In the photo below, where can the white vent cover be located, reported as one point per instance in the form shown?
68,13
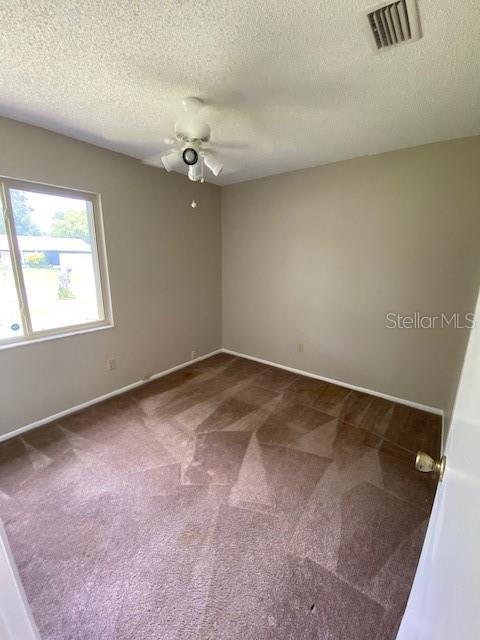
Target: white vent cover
393,23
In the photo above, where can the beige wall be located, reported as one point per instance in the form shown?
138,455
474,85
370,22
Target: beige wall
314,257
164,263
320,256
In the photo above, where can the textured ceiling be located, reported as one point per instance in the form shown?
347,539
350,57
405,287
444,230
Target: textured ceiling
288,84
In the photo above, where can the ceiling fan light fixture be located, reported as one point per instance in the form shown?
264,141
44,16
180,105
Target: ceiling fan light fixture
213,164
190,156
170,159
191,134
195,172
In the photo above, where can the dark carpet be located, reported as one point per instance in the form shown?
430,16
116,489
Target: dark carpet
229,500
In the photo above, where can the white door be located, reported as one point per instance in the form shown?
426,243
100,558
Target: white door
445,599
16,622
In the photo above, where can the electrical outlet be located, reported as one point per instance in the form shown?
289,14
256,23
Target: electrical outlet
300,347
194,354
111,364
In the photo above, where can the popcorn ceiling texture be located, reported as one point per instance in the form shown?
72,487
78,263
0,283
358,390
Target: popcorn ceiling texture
295,83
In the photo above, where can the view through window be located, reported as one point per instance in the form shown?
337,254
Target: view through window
50,277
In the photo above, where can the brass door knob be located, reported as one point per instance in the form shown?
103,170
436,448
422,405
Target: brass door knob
427,464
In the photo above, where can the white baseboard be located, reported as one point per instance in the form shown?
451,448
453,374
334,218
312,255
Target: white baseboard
409,403
111,394
138,383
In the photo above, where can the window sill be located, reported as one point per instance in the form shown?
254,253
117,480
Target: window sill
56,336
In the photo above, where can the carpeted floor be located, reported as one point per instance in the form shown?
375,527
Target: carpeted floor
229,500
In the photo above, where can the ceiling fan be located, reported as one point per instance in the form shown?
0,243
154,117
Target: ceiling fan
190,144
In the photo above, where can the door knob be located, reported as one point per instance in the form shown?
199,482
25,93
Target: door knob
427,464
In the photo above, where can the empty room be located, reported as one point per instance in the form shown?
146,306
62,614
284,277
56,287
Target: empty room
239,320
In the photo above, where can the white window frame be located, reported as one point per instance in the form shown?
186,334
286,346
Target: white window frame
99,258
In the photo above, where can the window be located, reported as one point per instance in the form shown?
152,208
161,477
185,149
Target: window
52,262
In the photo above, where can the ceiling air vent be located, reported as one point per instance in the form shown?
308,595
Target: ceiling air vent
393,23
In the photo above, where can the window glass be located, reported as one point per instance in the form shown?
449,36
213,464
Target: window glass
55,236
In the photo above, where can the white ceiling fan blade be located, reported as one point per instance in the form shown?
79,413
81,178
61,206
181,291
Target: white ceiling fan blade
231,144
262,145
136,137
